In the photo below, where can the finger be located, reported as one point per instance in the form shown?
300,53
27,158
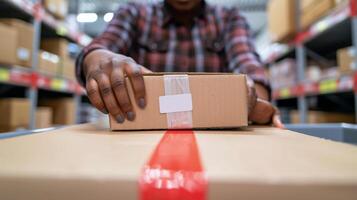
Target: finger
121,94
277,122
137,82
277,119
108,97
262,112
94,95
144,70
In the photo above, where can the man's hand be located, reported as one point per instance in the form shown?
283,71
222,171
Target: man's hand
261,111
105,74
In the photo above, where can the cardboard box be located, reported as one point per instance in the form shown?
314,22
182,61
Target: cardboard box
25,33
58,8
281,20
58,46
316,117
14,114
68,68
85,162
8,41
218,101
64,111
311,11
44,117
48,63
346,60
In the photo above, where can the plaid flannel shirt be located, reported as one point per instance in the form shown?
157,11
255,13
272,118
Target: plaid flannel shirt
218,41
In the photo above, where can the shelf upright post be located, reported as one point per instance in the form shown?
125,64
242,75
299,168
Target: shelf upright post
353,10
32,91
300,63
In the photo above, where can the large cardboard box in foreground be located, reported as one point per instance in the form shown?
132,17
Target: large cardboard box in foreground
24,41
8,41
14,114
87,163
190,101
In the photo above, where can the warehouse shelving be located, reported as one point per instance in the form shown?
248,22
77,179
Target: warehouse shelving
45,25
336,30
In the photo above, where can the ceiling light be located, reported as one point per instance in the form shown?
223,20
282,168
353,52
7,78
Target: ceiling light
108,17
87,17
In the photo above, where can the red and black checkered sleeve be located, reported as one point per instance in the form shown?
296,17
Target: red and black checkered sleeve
117,36
241,54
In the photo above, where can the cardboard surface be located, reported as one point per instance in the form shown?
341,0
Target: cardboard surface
218,100
281,19
58,8
24,39
8,41
44,117
68,68
63,110
14,114
87,162
345,60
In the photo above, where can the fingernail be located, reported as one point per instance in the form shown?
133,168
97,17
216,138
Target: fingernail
105,111
142,103
120,119
130,116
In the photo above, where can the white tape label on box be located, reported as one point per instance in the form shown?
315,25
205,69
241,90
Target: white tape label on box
175,103
177,98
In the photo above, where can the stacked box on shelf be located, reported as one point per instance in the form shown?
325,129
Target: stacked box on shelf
346,60
312,10
281,20
315,117
8,41
63,110
59,46
22,49
58,8
48,63
283,74
15,112
44,117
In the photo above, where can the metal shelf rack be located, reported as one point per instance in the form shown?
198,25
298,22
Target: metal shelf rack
31,78
336,30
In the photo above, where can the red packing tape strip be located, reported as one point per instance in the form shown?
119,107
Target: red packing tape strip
174,171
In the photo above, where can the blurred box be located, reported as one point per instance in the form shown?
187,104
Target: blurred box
15,112
313,10
346,60
43,117
58,46
281,19
68,68
8,41
283,74
315,117
58,8
48,63
25,33
64,110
